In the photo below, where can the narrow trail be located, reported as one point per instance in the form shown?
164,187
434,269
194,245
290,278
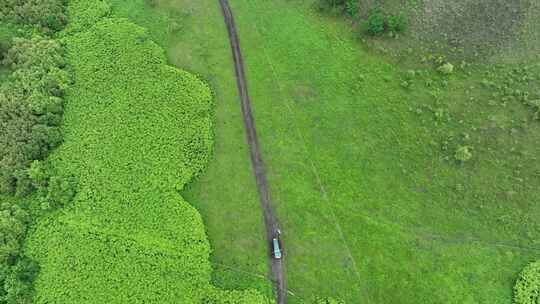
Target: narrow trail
270,219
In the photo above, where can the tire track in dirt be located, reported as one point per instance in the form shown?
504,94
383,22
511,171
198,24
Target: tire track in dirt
270,220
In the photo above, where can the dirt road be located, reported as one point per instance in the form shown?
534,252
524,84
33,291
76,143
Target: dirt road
270,220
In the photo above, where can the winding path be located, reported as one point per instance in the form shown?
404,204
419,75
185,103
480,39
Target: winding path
270,219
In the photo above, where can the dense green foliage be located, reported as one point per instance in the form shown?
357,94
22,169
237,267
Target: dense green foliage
16,271
378,23
375,23
84,14
527,288
31,107
136,131
396,23
48,15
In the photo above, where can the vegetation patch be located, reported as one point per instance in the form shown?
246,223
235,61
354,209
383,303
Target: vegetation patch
47,15
31,107
32,86
527,288
136,131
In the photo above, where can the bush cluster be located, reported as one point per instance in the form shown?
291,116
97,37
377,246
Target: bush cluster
350,7
527,287
4,47
327,301
31,107
463,154
47,15
17,271
14,221
379,23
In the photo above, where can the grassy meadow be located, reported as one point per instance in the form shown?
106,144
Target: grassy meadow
374,205
362,159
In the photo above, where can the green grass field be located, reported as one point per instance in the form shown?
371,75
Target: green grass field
374,206
352,151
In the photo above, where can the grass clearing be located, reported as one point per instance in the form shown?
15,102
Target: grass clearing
373,204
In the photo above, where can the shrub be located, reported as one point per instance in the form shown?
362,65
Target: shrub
335,3
463,153
375,23
328,301
396,23
60,191
18,280
31,107
351,7
378,23
535,105
329,5
17,272
527,287
446,69
4,47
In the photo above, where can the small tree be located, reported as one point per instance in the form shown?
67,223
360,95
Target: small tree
38,173
396,23
351,7
375,23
